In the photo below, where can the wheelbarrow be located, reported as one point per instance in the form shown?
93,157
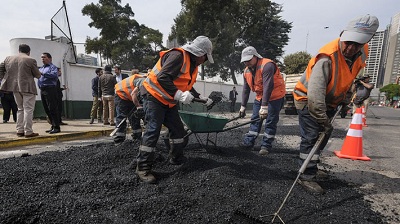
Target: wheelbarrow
208,123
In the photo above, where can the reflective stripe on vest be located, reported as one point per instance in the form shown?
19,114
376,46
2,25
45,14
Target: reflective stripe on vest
125,87
279,84
341,77
183,82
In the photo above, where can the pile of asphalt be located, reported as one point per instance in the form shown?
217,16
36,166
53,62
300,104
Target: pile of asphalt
226,184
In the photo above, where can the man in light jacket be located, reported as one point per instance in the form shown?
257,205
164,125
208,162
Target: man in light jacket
18,73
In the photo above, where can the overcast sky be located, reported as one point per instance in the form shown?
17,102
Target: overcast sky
31,19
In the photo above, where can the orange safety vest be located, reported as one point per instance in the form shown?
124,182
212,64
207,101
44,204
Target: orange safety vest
257,86
341,77
183,82
125,87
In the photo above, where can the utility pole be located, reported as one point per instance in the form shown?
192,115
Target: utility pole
306,40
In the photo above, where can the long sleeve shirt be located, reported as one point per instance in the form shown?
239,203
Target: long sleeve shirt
268,84
49,75
171,64
95,87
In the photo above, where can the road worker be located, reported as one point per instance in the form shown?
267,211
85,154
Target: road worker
169,82
323,86
127,100
263,77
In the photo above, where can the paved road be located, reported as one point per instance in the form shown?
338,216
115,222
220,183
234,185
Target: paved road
378,179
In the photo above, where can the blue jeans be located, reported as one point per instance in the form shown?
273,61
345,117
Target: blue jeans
310,130
271,123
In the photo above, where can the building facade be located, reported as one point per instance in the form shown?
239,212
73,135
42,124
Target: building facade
375,62
392,68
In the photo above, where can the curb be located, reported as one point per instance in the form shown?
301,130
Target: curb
45,139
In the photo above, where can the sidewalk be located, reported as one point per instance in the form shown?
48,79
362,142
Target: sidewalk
76,129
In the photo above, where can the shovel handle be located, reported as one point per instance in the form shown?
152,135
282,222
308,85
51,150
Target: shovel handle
199,100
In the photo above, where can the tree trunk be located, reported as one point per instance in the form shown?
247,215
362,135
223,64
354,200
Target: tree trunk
233,76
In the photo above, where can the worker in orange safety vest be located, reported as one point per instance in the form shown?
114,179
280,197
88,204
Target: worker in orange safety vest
263,77
168,83
324,85
128,105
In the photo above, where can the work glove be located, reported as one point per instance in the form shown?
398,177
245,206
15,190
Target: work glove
327,127
183,97
209,102
242,112
139,113
263,112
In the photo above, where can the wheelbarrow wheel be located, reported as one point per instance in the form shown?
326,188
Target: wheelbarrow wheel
185,141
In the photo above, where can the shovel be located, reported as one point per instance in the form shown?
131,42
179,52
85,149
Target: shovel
304,165
122,121
215,96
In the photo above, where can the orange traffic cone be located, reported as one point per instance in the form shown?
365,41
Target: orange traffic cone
364,117
352,146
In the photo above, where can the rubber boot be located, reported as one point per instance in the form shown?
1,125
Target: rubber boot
176,152
145,161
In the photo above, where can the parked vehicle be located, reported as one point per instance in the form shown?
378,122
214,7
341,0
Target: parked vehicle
290,82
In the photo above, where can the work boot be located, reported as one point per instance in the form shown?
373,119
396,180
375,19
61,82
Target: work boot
118,140
178,160
146,176
311,186
246,146
263,151
91,121
322,175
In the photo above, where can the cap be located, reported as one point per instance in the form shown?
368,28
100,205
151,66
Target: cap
199,47
360,29
248,53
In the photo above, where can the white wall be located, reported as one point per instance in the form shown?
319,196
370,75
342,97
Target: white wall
78,77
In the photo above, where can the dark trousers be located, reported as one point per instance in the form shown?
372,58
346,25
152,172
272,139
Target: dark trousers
9,105
49,95
310,130
158,114
233,102
123,107
60,104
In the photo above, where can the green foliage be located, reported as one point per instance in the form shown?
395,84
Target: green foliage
296,63
391,90
231,26
122,40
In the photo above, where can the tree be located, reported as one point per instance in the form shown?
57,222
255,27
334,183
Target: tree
231,26
296,63
391,90
122,40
